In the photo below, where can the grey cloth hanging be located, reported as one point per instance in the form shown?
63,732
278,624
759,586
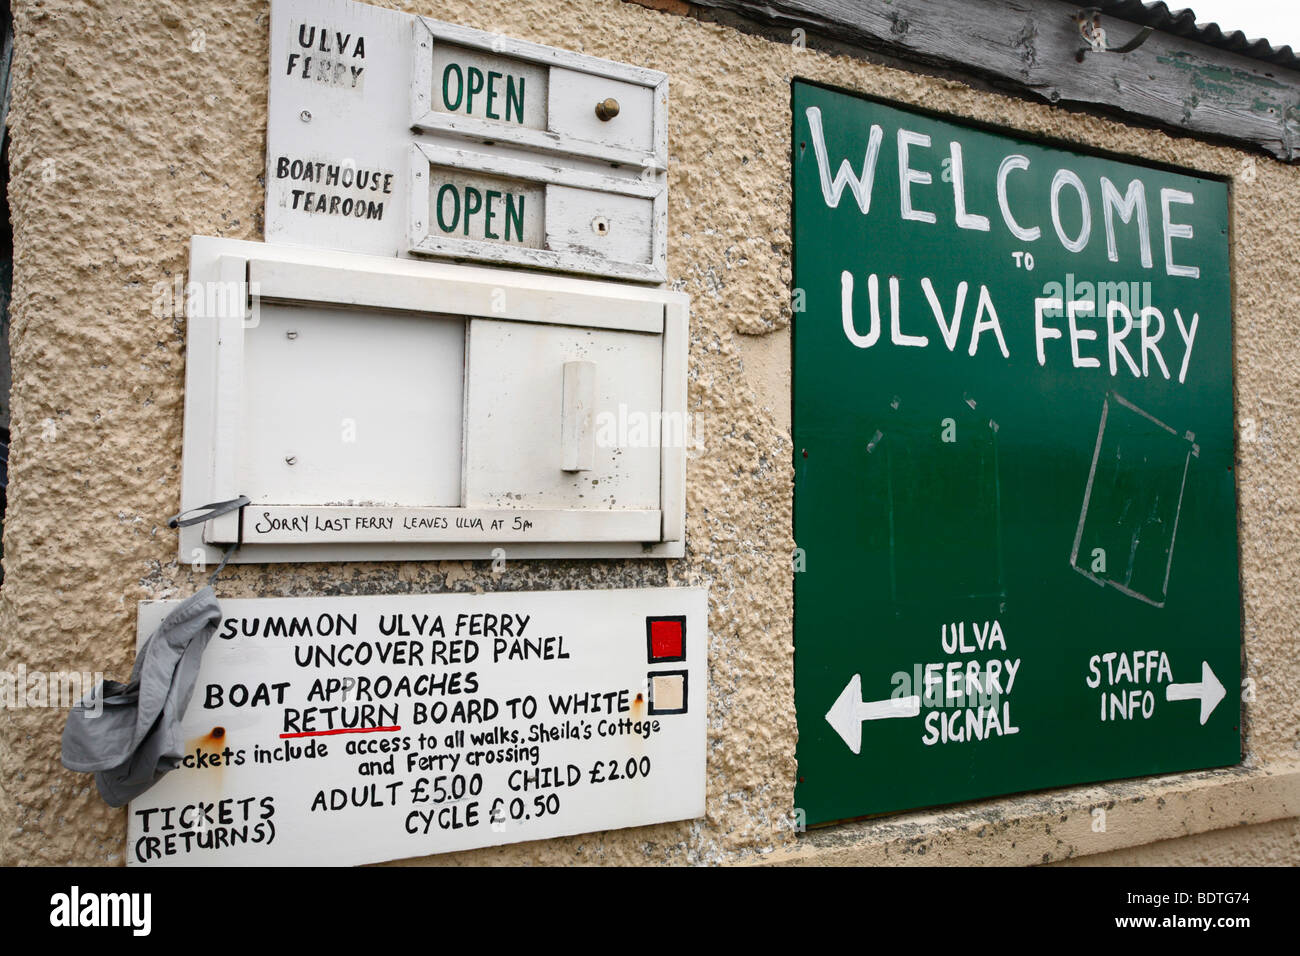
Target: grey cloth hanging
129,735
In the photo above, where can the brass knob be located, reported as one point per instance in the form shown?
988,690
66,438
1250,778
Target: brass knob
606,110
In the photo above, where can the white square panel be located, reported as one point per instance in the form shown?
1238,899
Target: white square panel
352,407
514,415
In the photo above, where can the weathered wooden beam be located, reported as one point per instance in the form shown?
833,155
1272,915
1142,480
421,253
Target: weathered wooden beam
1034,46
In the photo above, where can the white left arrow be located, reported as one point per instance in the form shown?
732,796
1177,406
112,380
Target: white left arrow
1207,690
850,710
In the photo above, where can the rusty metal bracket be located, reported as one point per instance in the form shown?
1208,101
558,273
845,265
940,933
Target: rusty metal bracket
1088,20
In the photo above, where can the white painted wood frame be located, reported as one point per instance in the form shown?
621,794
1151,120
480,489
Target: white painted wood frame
424,239
232,280
426,33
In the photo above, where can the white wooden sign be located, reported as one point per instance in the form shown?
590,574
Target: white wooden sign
400,135
487,87
351,730
529,213
374,408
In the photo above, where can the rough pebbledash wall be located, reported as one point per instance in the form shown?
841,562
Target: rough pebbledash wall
135,126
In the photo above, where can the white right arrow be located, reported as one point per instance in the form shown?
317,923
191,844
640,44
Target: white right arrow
1208,691
849,711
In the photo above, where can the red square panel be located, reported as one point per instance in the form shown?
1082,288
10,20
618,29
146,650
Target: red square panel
667,638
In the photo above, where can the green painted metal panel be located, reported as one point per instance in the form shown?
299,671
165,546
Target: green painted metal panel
1018,529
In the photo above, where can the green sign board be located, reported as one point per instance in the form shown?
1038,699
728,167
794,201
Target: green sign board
1013,440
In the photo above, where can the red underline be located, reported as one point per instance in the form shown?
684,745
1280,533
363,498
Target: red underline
342,730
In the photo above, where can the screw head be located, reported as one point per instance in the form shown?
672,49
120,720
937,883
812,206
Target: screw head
305,116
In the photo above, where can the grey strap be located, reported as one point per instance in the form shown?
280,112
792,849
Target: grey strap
208,512
212,578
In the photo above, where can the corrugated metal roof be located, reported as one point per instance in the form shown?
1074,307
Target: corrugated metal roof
1182,23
